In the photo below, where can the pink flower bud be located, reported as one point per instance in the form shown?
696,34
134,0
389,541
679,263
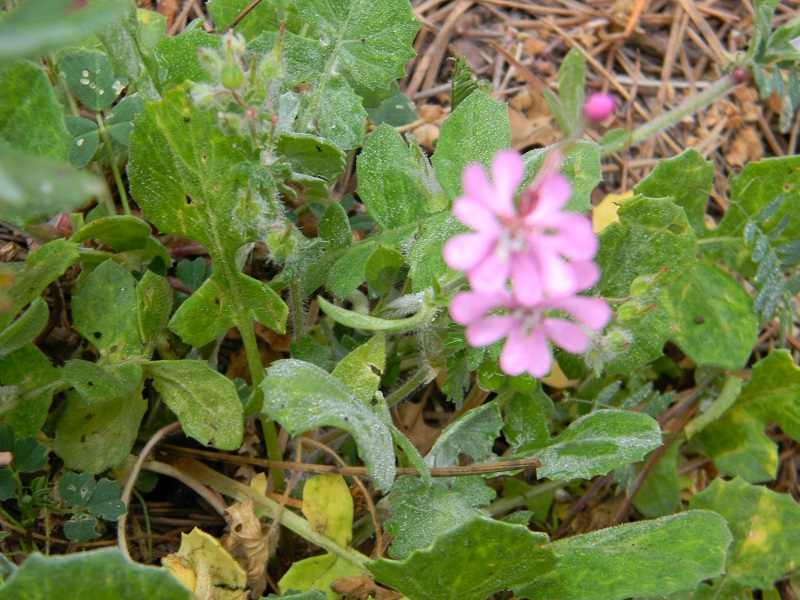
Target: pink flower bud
599,107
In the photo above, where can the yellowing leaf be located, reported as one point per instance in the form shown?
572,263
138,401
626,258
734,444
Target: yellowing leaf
605,213
328,506
205,567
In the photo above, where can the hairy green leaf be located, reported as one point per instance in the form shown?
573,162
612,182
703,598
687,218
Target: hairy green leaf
649,558
204,400
473,561
301,396
764,547
714,320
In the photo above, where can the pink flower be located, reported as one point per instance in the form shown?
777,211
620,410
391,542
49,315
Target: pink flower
532,244
599,107
527,328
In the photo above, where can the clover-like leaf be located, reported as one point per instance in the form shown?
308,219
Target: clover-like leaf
89,75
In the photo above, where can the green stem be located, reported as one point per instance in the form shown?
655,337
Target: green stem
424,375
123,196
266,507
504,505
691,106
256,401
298,316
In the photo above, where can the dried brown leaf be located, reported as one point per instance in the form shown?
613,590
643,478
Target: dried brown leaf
250,543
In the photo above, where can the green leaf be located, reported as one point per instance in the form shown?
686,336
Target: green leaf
648,558
154,304
758,185
660,492
128,58
217,306
571,80
727,396
76,489
421,512
462,84
526,424
301,396
714,320
360,370
426,258
178,59
396,111
265,16
105,502
687,180
36,377
370,43
26,328
81,528
121,233
473,133
8,485
472,562
192,273
42,266
105,313
764,548
737,444
88,74
85,141
31,188
473,435
370,323
119,120
204,400
192,180
93,436
773,393
653,233
31,120
29,455
96,382
581,165
382,267
311,154
339,115
647,333
395,186
318,573
595,444
334,227
101,575
349,270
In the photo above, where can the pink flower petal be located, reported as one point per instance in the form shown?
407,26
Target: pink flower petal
476,214
476,185
566,335
592,312
467,307
526,353
525,280
489,330
507,171
489,276
466,250
586,274
557,276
